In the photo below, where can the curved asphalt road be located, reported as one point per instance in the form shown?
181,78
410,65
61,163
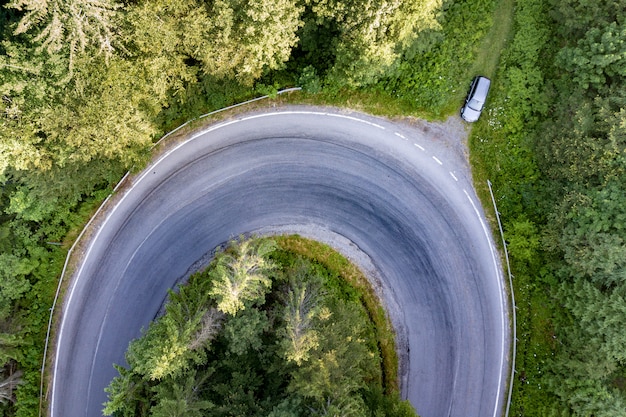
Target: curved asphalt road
337,177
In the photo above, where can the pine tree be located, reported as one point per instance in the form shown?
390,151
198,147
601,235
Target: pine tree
8,385
302,308
241,277
73,25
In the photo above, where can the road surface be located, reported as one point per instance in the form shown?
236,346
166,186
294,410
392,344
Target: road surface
398,203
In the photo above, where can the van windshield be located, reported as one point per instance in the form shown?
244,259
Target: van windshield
475,104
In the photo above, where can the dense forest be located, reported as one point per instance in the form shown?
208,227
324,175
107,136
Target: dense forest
87,86
263,331
554,144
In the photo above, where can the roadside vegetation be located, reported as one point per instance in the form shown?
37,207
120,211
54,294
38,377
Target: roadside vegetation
263,331
553,142
87,87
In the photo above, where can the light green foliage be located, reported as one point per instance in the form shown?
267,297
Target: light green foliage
13,271
157,33
371,34
335,370
68,131
81,127
125,394
229,38
163,352
244,371
69,25
28,79
525,80
166,348
239,278
251,37
524,241
9,347
20,258
302,308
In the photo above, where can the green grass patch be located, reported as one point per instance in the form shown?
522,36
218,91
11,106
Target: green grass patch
434,76
373,101
536,346
488,56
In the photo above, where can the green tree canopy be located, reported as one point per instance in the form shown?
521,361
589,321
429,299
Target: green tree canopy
240,278
599,58
69,26
370,35
595,358
229,38
254,365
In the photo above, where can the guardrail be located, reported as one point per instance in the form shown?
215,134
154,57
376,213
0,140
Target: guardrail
287,90
69,253
513,306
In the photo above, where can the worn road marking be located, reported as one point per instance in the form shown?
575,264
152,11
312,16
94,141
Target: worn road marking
454,176
419,146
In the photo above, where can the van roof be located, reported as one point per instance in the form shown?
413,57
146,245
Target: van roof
482,88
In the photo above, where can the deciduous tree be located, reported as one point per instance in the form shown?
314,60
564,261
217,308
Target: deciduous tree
229,38
599,58
370,34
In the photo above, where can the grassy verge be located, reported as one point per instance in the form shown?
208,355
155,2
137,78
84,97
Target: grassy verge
376,102
501,151
535,330
337,264
495,41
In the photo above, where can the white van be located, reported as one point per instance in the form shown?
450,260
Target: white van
475,99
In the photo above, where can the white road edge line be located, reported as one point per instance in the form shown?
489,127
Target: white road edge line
149,169
341,116
108,309
500,279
